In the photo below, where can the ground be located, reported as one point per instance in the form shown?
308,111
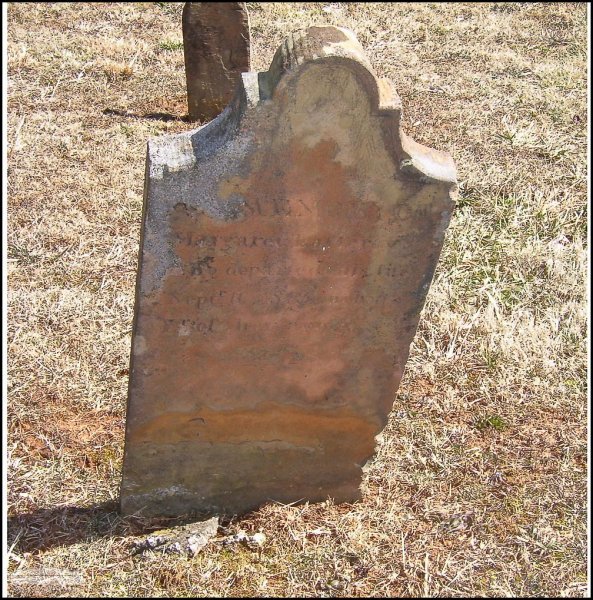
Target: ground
479,482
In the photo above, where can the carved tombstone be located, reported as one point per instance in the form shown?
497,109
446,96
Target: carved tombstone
287,250
216,43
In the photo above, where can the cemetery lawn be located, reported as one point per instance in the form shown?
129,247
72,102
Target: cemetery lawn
479,485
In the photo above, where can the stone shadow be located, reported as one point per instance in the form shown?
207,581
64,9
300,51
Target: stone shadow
154,116
47,528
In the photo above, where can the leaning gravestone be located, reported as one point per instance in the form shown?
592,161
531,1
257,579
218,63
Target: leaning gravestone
287,250
216,43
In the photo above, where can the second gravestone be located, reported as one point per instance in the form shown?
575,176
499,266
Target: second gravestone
216,45
287,250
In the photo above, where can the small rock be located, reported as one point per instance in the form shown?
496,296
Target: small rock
187,539
255,541
258,539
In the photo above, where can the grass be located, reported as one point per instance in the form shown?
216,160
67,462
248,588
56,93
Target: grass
171,45
478,487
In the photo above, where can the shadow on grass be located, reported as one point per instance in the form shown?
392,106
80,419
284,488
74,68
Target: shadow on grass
155,116
66,525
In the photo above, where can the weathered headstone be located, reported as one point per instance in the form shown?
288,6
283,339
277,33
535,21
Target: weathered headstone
287,250
216,44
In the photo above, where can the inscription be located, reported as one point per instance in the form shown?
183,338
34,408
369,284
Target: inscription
277,207
264,312
203,266
227,243
250,299
190,327
186,327
206,270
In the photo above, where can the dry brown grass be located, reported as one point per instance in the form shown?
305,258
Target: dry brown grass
479,484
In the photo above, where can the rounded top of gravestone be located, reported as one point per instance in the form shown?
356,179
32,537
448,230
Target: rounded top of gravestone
323,43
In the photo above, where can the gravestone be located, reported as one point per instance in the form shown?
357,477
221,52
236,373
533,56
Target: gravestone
286,254
216,44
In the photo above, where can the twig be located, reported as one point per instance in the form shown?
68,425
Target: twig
16,136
